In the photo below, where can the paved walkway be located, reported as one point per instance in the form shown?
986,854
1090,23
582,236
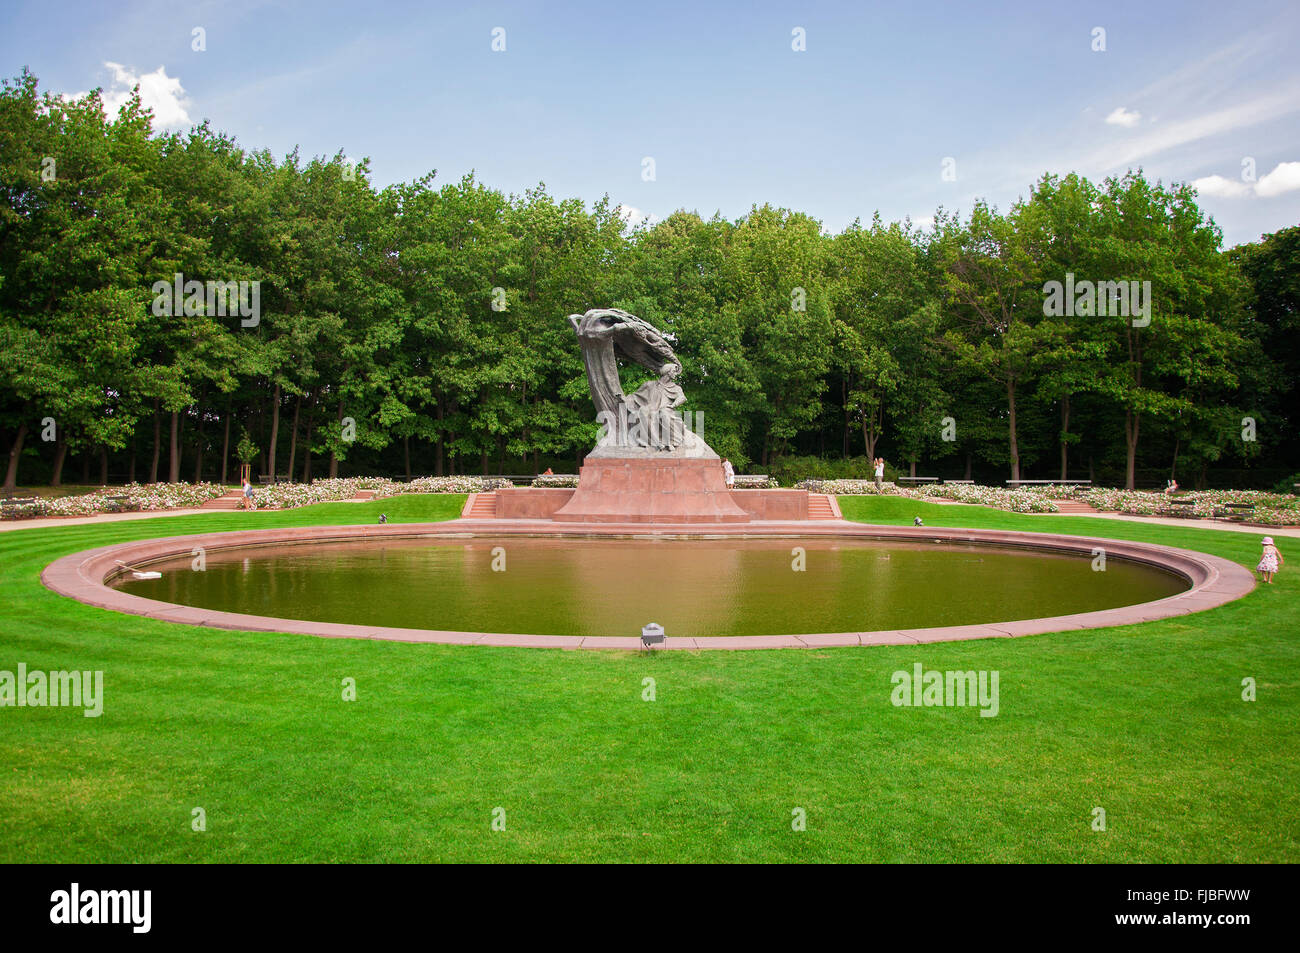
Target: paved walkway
1193,523
101,518
1291,531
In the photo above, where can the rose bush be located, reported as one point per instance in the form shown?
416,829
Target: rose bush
138,496
1017,501
278,496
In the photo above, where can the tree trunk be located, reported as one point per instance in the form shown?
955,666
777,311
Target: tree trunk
911,468
225,446
439,443
275,432
198,449
1132,424
844,402
406,454
15,451
157,444
969,455
103,465
1065,432
85,467
1173,467
174,460
60,454
293,436
334,457
1011,428
306,452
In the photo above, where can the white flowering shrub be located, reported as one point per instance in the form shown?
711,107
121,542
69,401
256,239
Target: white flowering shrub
560,481
1017,501
278,496
138,497
1273,509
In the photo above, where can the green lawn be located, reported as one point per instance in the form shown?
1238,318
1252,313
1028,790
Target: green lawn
1145,721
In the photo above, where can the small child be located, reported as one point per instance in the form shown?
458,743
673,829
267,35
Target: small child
1270,561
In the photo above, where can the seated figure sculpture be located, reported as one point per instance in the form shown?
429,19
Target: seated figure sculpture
647,419
650,465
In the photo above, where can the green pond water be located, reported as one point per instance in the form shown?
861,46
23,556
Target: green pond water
613,587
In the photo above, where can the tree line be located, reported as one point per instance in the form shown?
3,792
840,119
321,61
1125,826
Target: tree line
1089,329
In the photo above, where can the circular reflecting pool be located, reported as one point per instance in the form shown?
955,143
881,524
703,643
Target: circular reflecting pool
596,587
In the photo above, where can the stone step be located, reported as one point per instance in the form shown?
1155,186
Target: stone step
482,507
234,500
1073,506
820,507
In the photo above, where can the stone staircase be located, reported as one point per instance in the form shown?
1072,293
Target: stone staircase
1073,507
233,500
822,507
480,506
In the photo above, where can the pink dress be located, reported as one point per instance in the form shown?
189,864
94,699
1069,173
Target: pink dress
1268,562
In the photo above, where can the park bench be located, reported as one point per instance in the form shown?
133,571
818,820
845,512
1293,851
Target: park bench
965,482
1235,511
751,480
14,501
1180,507
912,479
1050,482
115,504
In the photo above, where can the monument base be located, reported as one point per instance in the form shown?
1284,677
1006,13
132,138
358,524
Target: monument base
649,490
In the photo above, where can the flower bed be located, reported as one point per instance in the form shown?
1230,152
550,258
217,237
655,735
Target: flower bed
1017,501
1273,509
557,481
278,496
138,496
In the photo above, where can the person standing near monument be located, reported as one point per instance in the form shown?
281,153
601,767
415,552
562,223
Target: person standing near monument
880,472
728,473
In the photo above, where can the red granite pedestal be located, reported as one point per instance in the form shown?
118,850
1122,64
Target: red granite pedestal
640,490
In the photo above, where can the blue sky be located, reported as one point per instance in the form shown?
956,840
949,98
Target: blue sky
859,121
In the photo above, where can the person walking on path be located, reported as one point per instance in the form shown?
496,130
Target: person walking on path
880,472
248,495
728,473
1270,561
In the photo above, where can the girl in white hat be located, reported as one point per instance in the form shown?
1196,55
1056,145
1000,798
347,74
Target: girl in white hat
1270,561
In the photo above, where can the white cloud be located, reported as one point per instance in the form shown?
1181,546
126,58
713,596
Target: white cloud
1119,116
1219,186
158,91
634,216
1285,177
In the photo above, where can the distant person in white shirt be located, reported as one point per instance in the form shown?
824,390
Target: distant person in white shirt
728,473
880,471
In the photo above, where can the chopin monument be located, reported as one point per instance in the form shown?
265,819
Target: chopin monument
648,465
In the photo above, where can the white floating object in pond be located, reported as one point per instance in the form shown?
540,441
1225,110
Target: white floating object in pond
139,573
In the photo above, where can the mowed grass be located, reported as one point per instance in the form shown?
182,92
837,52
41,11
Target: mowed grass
1146,722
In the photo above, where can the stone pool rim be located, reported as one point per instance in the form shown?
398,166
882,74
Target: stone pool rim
84,576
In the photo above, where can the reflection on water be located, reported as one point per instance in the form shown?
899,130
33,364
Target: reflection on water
691,587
